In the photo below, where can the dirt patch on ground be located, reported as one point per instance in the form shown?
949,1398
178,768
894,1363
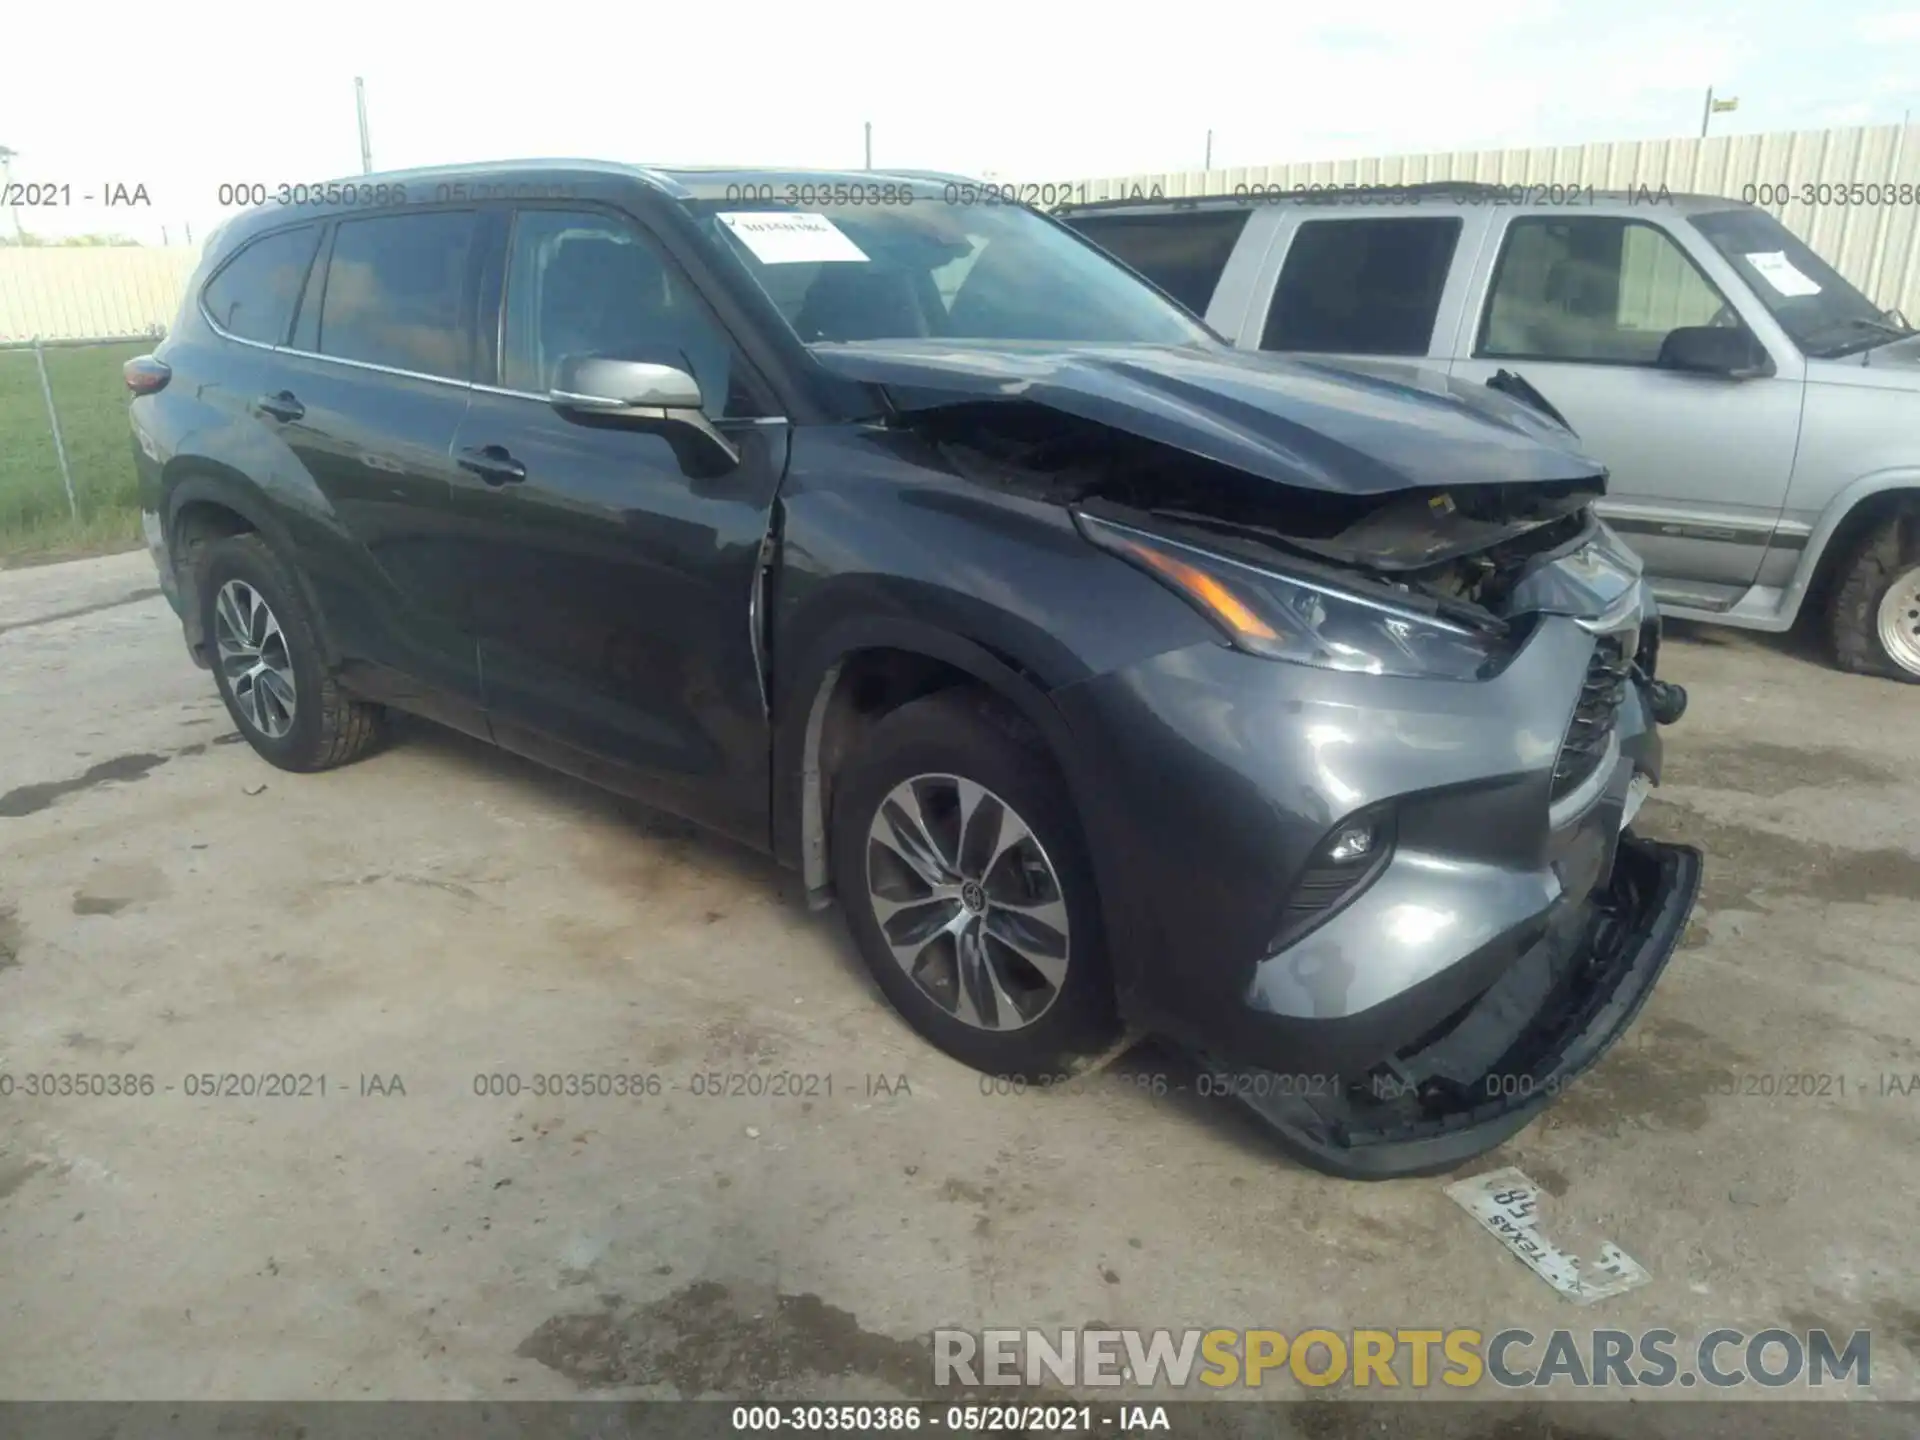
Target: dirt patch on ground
706,1338
12,936
114,888
1743,859
1758,768
28,799
1659,1077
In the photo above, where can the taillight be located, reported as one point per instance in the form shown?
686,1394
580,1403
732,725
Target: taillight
145,375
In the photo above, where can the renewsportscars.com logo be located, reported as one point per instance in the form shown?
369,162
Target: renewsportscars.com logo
1392,1359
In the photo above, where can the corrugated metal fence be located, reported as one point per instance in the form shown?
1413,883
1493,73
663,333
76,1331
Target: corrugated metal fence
75,292
1852,194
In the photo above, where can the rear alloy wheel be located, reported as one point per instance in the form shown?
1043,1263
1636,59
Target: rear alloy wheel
268,662
957,856
252,652
1873,617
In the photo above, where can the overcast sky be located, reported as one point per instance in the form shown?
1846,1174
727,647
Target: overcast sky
184,96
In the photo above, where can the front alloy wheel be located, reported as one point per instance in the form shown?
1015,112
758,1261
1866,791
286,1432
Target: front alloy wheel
958,852
253,655
968,901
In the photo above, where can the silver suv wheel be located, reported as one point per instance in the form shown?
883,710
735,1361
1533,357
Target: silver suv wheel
254,659
968,901
1899,621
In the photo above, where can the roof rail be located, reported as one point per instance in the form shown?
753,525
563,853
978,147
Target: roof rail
928,175
1276,192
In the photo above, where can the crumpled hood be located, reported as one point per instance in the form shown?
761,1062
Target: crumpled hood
1364,428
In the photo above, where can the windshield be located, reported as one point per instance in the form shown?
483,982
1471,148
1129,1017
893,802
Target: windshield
929,267
1813,302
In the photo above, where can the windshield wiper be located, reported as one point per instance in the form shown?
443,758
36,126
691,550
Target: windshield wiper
1898,332
1863,322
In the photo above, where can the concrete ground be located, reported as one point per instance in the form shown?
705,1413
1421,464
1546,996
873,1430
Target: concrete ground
171,906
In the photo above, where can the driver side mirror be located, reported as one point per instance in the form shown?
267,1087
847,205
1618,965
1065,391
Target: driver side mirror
644,396
1729,350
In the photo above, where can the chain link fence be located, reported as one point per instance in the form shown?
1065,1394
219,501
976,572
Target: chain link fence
70,317
67,478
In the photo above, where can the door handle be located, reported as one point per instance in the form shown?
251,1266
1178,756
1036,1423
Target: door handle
284,407
492,464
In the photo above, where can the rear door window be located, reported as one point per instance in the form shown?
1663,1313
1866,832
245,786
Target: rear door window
1362,287
253,296
1184,254
397,293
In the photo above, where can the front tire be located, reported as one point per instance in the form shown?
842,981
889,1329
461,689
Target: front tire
957,855
1874,616
268,663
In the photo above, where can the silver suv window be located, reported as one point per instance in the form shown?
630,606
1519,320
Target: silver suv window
1184,253
1594,289
1362,287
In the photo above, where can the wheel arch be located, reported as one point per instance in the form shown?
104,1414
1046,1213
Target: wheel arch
849,678
208,500
1858,508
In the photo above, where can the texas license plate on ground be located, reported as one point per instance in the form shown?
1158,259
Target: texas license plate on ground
1507,1204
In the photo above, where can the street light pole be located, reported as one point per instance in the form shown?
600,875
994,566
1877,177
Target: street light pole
360,104
1209,164
1706,113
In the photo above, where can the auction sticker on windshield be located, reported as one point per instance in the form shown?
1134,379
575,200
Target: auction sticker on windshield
784,238
1781,273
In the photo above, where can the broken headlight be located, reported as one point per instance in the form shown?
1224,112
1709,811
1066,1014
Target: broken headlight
1309,621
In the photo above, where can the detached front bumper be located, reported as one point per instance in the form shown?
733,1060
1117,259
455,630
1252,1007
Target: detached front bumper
1508,1055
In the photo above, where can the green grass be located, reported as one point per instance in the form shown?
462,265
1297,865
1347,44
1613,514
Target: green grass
35,522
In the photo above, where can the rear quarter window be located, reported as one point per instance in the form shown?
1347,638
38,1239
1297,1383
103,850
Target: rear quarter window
1184,254
252,296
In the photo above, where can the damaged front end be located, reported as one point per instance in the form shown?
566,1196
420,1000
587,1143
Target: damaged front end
1496,1063
1433,917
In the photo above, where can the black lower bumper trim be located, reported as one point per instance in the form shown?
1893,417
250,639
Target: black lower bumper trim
1430,1109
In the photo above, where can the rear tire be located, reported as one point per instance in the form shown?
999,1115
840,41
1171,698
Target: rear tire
1021,988
268,662
1873,618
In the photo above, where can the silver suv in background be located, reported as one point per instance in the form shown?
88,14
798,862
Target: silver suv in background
1760,417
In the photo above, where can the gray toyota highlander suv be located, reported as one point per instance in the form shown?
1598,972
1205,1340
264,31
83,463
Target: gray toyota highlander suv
1103,673
1758,415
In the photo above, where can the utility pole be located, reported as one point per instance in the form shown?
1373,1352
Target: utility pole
360,104
1209,164
869,130
6,185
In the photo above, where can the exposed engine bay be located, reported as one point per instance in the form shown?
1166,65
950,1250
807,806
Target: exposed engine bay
1459,551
